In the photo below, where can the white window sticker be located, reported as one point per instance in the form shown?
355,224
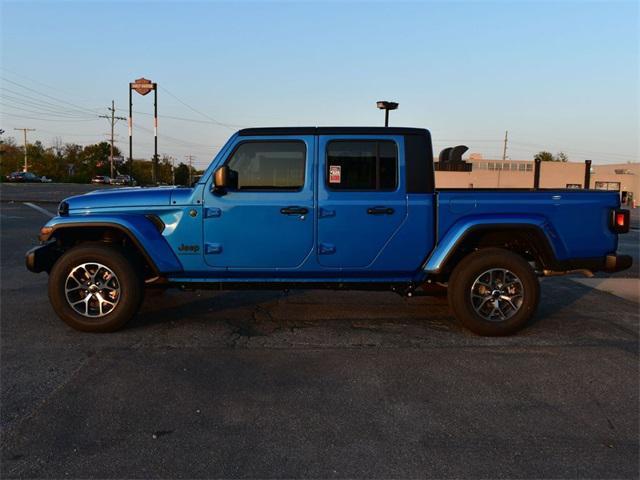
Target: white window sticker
335,173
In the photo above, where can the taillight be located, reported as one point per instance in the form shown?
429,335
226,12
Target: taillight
620,221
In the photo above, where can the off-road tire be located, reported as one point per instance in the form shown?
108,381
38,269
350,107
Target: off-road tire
129,280
465,276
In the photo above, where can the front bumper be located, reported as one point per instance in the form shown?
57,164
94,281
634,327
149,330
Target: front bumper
41,258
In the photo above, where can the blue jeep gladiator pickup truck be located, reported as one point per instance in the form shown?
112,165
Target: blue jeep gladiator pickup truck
324,207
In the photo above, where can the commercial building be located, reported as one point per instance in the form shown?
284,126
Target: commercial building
484,173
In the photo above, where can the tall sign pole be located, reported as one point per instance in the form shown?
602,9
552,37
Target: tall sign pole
144,86
130,132
155,134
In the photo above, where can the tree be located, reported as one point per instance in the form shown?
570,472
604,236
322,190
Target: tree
545,156
79,163
182,174
11,156
165,167
96,158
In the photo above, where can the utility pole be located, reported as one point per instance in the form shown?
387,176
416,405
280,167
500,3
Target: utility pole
173,170
25,130
504,150
113,119
190,158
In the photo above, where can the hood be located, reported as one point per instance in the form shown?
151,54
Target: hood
121,197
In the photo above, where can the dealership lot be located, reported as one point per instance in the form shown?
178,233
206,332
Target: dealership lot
311,383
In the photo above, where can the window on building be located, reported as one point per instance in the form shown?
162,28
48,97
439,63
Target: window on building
269,165
491,166
574,185
529,167
362,165
522,167
615,186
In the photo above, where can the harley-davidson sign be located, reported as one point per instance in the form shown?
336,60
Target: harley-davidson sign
142,86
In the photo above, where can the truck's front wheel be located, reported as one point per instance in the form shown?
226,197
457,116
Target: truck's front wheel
95,288
493,292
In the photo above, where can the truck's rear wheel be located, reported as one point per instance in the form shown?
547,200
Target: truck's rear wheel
95,288
493,292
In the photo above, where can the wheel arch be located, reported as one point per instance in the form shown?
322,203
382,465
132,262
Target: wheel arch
141,238
526,239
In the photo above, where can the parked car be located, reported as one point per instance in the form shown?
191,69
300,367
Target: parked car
101,179
124,180
26,177
338,208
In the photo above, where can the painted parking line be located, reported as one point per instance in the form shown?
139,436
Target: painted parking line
627,288
44,211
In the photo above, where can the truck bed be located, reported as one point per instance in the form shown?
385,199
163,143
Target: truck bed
576,221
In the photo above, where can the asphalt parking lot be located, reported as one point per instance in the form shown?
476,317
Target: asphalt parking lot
312,383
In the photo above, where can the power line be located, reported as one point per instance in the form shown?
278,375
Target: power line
227,125
49,96
186,119
44,119
36,101
178,140
34,81
44,107
20,108
70,134
579,151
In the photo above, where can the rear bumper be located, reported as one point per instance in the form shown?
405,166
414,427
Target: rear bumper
41,258
609,263
617,263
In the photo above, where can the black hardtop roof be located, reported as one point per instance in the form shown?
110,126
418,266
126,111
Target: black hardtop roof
247,132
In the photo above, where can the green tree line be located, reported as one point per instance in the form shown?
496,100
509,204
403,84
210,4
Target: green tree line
75,163
545,156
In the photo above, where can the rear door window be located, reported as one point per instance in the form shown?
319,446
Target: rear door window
362,165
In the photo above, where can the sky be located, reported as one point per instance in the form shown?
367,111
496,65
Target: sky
559,76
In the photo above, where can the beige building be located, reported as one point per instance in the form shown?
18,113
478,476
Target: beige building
621,177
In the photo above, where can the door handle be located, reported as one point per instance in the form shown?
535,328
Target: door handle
380,211
294,211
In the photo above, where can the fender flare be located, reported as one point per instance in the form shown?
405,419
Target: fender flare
548,249
141,231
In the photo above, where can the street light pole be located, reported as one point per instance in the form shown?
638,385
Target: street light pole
386,106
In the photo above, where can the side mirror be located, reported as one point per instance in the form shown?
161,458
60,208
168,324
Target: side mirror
221,180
